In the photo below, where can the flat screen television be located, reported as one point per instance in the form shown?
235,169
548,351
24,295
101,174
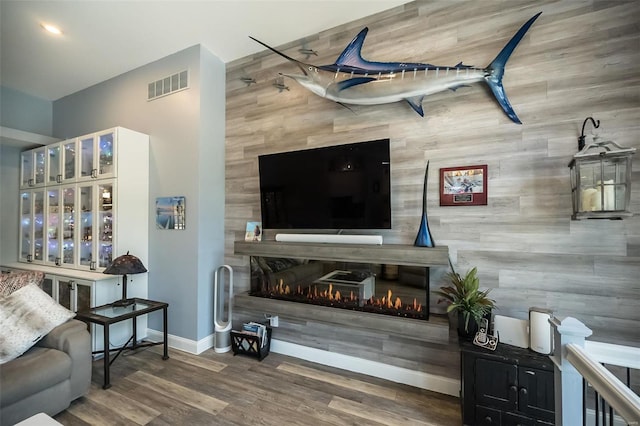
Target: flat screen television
337,187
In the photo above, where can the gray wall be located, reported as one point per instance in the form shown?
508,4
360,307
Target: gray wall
25,112
9,172
578,59
210,238
187,159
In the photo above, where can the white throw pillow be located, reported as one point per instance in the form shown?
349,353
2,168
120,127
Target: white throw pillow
26,316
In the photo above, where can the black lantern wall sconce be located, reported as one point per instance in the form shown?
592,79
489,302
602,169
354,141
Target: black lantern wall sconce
600,178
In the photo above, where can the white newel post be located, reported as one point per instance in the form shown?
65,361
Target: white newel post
567,380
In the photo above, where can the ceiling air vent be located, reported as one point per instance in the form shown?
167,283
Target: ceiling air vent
168,85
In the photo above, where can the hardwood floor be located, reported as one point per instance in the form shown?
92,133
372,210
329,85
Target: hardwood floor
220,389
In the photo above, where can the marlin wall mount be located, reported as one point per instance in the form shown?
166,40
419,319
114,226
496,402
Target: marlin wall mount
355,81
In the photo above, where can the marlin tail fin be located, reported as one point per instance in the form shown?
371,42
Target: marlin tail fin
496,70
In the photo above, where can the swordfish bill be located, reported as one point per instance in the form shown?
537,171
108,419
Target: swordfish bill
356,81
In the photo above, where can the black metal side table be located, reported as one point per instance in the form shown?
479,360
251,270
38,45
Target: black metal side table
106,315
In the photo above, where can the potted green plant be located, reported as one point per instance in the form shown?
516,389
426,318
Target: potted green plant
467,300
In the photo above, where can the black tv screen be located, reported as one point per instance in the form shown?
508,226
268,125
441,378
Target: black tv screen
337,187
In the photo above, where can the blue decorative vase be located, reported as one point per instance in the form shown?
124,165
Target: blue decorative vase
424,239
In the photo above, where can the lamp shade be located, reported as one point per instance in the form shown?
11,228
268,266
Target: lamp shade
124,265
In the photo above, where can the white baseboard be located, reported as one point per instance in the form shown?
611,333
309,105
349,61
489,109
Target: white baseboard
392,373
180,343
330,238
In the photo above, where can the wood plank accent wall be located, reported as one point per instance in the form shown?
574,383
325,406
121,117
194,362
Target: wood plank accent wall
581,58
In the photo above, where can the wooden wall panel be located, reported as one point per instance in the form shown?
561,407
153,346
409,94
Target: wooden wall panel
580,58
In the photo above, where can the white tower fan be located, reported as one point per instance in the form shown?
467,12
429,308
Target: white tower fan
222,323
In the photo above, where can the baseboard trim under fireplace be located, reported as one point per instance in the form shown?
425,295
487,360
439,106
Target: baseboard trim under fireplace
418,379
413,352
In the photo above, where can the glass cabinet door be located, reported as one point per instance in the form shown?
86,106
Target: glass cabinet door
54,165
40,165
106,157
105,224
65,287
68,225
26,226
85,231
74,294
26,169
87,152
69,160
38,225
47,286
83,299
53,226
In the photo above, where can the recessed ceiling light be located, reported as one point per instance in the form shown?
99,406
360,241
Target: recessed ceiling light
51,28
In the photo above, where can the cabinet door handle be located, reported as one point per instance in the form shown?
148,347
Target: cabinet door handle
94,173
31,182
92,265
523,391
57,261
29,258
59,178
488,420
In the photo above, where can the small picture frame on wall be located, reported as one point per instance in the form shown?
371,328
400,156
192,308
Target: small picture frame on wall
170,213
253,232
463,186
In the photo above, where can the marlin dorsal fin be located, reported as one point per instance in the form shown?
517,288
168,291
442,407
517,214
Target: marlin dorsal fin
351,56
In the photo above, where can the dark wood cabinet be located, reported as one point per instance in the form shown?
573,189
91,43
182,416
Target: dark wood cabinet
508,387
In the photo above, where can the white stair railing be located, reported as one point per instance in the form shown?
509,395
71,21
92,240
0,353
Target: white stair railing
575,359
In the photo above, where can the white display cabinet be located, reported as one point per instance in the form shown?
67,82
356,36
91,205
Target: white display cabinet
89,157
97,155
76,219
61,162
53,164
95,224
83,202
31,227
33,167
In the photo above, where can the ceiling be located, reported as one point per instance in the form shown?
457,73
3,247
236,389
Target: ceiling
103,39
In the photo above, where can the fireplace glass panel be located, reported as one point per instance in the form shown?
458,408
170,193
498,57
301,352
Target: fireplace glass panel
382,289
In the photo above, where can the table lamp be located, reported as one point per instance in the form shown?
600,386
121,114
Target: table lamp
124,265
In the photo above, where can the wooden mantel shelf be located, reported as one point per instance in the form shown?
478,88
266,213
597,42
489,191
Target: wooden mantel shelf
392,254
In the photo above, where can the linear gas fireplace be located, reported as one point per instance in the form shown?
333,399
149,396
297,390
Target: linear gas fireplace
400,291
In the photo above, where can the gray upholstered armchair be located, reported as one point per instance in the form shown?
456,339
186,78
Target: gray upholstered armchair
48,376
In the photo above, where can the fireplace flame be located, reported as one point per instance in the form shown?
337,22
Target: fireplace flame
389,303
